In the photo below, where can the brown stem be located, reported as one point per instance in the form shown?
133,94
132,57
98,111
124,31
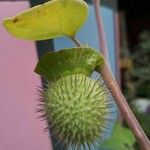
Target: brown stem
114,88
76,41
124,108
101,33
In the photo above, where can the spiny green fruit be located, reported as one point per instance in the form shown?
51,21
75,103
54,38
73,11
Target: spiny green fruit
77,110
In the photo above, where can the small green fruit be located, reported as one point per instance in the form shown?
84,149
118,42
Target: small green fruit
76,108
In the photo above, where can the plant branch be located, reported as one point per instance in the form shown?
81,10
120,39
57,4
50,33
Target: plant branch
124,107
114,88
101,33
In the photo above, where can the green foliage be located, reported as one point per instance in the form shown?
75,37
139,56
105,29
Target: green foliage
54,65
122,139
140,72
144,120
49,20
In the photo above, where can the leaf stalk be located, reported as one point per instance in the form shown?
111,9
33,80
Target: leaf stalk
76,41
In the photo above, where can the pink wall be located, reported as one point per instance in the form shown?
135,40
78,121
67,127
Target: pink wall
19,128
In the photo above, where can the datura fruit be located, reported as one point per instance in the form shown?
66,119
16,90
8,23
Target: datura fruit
76,107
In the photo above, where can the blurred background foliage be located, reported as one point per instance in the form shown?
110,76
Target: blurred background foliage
121,139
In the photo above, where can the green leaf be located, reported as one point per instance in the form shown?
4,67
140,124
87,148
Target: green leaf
54,65
122,139
49,20
144,120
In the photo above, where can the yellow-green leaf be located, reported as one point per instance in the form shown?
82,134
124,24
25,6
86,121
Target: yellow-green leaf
49,20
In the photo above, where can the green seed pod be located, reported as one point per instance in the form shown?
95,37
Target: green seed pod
78,110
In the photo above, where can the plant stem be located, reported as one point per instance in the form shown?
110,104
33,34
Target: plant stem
76,41
124,107
101,33
114,88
